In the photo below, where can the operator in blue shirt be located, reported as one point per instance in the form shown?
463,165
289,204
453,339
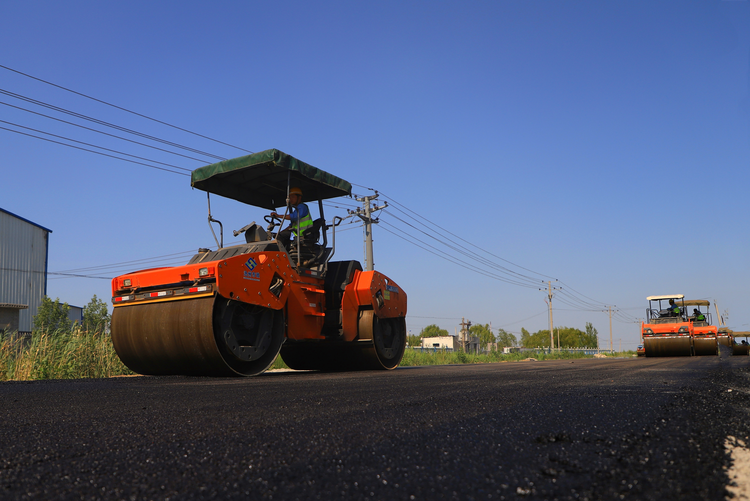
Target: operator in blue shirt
299,217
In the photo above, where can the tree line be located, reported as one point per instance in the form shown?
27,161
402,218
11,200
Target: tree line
569,337
52,316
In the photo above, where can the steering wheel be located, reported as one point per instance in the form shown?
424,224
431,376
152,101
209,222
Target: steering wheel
272,220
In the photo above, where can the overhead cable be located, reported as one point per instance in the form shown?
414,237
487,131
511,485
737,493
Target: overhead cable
101,132
123,109
453,234
107,124
465,252
94,146
457,261
93,151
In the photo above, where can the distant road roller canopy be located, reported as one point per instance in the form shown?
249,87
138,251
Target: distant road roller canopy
697,302
668,296
261,179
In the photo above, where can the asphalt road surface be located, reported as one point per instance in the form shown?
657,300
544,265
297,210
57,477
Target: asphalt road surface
585,429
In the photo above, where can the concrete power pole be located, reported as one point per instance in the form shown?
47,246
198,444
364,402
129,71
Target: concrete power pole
465,324
549,302
611,346
365,215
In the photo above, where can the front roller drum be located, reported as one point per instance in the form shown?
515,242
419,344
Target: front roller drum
210,336
705,346
668,346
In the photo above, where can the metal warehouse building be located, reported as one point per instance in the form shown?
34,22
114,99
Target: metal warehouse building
23,270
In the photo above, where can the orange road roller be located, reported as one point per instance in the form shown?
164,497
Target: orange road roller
741,348
725,336
667,332
704,334
233,310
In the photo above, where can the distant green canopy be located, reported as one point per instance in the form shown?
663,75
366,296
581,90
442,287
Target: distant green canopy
261,179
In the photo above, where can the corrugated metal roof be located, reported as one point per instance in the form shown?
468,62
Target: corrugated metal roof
24,219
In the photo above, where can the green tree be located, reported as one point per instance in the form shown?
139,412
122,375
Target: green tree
505,338
536,340
52,316
524,337
592,336
413,340
484,333
96,316
433,330
567,337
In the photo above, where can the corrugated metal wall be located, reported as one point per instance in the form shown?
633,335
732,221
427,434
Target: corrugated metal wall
23,265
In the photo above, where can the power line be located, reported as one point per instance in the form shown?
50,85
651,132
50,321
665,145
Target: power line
92,151
453,234
122,109
470,255
94,146
132,262
106,124
457,261
100,131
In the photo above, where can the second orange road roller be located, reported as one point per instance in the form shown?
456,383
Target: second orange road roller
705,340
233,310
741,348
725,336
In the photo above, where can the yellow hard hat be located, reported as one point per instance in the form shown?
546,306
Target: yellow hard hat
295,191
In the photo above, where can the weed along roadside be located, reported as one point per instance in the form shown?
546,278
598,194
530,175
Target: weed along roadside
59,354
77,354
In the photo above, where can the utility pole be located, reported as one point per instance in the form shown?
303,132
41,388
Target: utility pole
465,324
365,214
719,318
549,302
611,344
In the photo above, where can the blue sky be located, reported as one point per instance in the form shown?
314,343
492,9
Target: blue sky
603,144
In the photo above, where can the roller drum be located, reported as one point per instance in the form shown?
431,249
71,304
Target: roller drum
668,346
740,349
705,346
209,336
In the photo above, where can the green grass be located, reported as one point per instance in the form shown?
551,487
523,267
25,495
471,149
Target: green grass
79,354
416,357
59,355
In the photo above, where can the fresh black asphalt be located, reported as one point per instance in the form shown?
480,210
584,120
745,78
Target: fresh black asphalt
584,429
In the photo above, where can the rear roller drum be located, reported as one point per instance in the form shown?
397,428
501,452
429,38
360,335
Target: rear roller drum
388,339
381,345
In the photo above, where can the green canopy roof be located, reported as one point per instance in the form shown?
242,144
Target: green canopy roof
260,179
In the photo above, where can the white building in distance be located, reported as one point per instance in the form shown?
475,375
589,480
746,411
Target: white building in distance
441,342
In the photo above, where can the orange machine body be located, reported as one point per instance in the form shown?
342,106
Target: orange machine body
667,329
705,331
250,278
